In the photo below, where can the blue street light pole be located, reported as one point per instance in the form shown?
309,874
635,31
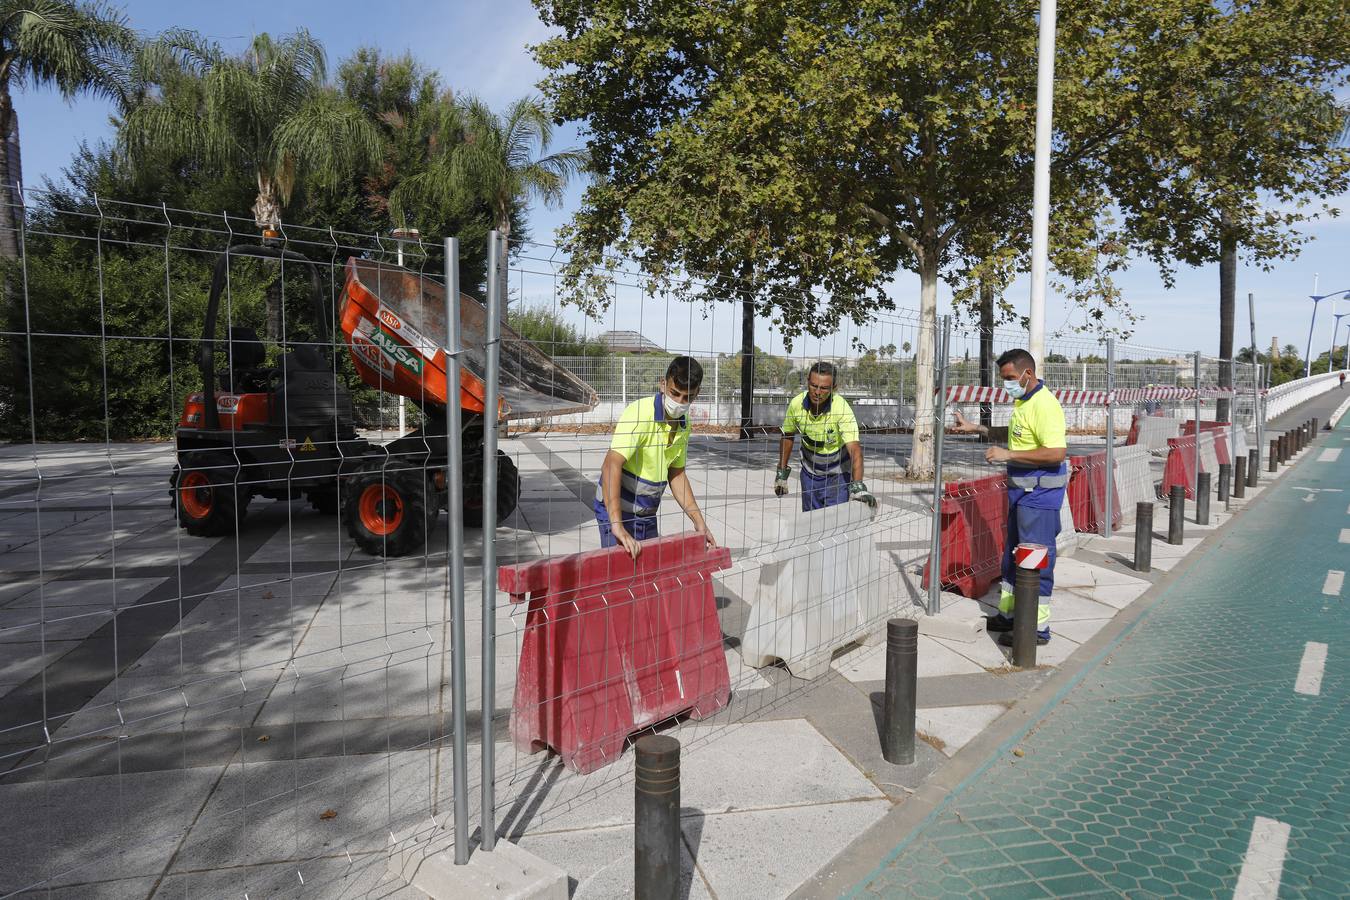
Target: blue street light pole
1335,330
1316,299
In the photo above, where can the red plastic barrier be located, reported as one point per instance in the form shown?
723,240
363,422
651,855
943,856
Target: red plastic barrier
614,645
1180,466
974,531
1087,493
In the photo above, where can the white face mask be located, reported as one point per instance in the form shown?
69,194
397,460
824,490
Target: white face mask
673,408
1014,388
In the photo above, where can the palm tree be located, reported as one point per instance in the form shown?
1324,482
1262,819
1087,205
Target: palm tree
75,47
269,111
495,162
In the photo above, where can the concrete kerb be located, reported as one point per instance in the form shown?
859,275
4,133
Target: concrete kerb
876,846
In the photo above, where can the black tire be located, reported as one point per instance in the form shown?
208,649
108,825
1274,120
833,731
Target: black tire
386,510
508,490
208,501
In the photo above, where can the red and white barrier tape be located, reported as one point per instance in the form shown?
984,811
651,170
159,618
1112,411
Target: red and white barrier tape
1031,556
970,393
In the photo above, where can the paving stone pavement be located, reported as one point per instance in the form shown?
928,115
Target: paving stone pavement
1219,720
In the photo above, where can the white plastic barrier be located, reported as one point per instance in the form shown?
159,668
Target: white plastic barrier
1155,430
1209,457
1133,477
818,590
1067,542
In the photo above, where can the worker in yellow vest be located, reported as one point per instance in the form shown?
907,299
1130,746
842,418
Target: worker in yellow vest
832,458
649,451
1037,477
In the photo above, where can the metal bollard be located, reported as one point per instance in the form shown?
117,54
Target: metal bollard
1253,465
1026,606
1176,514
1225,480
1273,459
1143,536
656,830
1284,448
902,686
1202,488
1316,426
1240,477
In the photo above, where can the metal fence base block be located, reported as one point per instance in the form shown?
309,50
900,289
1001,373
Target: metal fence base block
961,619
504,873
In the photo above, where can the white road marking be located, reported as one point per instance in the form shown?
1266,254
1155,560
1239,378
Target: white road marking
1263,864
1332,586
1309,680
1331,454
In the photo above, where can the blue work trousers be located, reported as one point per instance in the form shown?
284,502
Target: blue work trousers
820,491
1031,525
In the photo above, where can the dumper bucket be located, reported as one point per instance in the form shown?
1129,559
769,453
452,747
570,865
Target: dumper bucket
394,322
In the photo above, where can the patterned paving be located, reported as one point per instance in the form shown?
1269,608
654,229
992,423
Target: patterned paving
1148,777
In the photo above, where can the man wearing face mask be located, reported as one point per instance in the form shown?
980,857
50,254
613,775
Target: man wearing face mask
649,452
832,460
1037,476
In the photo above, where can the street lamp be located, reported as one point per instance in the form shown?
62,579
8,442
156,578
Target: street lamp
1318,298
1335,330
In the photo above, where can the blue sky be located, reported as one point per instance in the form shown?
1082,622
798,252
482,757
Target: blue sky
480,48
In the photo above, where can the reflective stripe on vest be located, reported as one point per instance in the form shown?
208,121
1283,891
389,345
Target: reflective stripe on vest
637,496
818,463
1031,482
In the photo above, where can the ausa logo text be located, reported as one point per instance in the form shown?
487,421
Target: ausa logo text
403,355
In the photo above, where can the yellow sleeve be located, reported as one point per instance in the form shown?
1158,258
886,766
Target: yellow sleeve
848,426
1050,426
631,432
790,420
679,462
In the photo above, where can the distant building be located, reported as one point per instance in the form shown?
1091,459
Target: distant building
629,342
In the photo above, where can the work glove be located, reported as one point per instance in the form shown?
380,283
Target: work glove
780,484
857,490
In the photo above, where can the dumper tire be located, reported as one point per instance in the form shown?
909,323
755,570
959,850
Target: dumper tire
386,510
208,500
508,490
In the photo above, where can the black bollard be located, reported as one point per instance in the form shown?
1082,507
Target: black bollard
902,687
1284,448
1202,488
1143,536
1253,465
1273,462
1240,477
1176,514
1225,479
656,830
1026,606
1316,425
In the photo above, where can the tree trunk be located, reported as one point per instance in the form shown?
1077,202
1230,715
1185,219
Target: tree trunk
9,197
747,364
986,348
267,207
921,456
1227,301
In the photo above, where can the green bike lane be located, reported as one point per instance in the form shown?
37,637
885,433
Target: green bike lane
1200,724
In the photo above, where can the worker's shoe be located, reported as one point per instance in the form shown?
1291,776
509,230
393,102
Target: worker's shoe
998,623
1042,638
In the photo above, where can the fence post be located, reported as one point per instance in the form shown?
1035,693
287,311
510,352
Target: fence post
717,389
1197,411
1110,435
455,525
623,381
939,427
491,389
